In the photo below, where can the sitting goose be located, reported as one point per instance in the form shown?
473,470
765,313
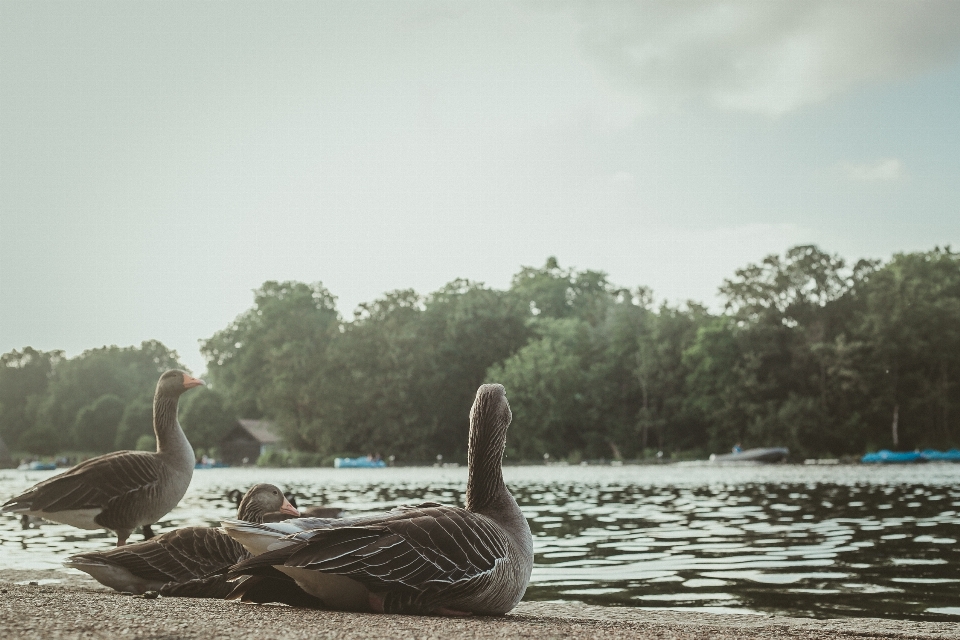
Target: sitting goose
122,490
309,512
424,559
188,562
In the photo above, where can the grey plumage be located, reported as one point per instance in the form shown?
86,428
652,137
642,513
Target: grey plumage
122,490
187,562
308,512
429,558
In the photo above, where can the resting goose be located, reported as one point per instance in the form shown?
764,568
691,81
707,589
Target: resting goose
188,562
429,558
310,512
122,490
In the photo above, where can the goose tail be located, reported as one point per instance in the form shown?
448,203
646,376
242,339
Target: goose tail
113,576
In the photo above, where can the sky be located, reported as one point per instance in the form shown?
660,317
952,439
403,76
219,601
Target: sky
161,160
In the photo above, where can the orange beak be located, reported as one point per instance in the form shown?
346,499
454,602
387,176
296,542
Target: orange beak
189,382
288,508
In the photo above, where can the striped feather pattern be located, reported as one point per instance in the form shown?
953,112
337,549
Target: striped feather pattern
423,553
418,559
97,482
191,562
128,488
178,556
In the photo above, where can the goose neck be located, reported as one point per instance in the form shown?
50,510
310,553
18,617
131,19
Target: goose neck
250,512
485,486
170,437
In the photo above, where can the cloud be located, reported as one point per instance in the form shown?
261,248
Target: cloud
767,57
883,170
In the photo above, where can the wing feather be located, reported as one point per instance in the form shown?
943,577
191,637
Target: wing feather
191,553
419,550
94,483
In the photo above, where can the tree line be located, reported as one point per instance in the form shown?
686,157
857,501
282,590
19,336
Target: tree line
810,352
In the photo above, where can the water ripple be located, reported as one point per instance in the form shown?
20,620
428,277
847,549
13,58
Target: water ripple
824,542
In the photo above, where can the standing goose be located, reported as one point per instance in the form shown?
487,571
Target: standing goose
429,558
122,490
188,562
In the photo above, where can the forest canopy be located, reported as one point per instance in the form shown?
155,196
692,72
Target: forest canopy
809,352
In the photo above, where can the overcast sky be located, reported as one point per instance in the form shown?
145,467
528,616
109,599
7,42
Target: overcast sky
159,161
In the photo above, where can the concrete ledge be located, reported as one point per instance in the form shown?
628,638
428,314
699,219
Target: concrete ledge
73,609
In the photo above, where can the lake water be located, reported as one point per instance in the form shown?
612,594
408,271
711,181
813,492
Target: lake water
825,542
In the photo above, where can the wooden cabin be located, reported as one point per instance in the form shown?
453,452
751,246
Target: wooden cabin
247,440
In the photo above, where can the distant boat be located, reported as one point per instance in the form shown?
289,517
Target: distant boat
362,462
763,454
885,456
210,465
953,455
36,465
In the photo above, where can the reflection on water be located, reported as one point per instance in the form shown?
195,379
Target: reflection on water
808,541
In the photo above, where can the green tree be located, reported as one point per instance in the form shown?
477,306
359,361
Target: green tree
40,439
272,360
398,379
464,329
205,418
554,292
125,372
768,373
911,323
96,424
136,422
545,382
24,377
604,389
811,352
265,361
145,443
662,337
372,391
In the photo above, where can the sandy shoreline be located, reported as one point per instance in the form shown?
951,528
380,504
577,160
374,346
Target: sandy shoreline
77,607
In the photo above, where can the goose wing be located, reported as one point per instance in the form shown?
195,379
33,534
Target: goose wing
92,484
415,554
180,556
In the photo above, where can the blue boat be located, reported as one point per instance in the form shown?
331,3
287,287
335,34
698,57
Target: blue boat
903,457
210,465
885,456
362,462
36,465
953,455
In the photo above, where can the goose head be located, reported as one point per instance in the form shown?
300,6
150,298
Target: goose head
262,499
490,415
174,382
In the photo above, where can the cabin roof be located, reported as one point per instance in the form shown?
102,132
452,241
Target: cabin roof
261,430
